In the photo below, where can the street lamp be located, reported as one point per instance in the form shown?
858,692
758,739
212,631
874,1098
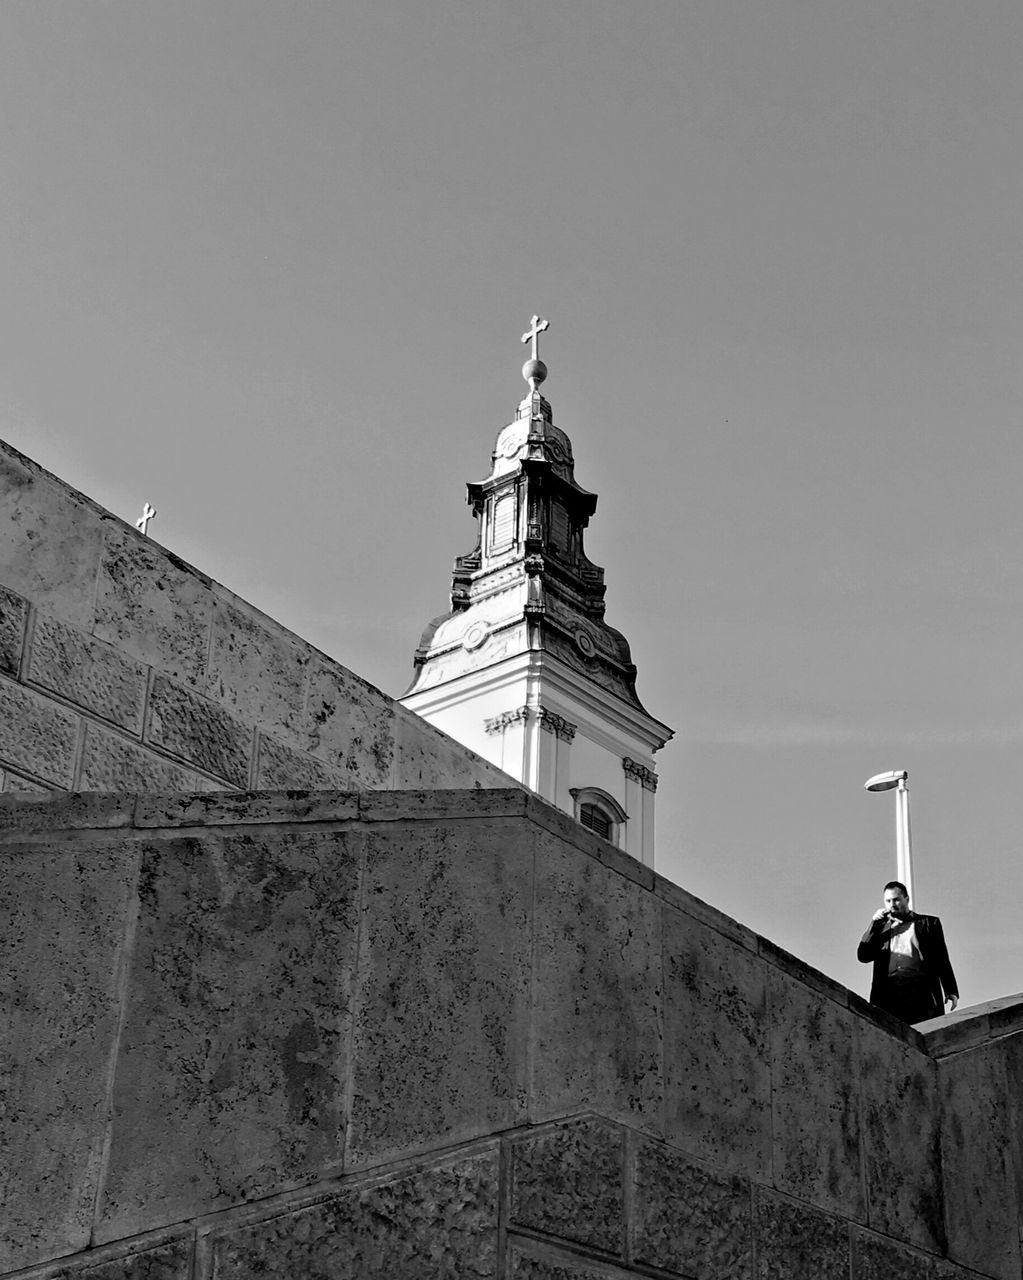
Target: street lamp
898,778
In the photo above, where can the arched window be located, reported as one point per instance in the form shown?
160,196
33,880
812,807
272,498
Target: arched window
600,813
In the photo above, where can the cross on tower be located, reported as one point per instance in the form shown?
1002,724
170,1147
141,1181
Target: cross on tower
142,523
538,326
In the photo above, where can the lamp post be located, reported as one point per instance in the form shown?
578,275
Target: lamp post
899,779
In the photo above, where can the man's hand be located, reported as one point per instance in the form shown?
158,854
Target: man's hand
952,1001
880,914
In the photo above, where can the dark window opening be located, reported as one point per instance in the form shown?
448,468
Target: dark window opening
592,816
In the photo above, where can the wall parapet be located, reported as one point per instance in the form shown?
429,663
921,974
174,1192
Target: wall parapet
228,998
125,669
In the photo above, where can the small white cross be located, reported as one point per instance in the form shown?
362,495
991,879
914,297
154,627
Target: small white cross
142,522
538,326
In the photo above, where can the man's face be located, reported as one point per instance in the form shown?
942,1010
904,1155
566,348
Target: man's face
896,902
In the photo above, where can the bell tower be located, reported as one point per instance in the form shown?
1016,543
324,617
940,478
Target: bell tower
524,669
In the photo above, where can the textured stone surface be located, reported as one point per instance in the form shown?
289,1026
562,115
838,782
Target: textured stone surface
980,1212
110,763
597,1018
876,1258
63,917
62,812
230,1078
526,1265
942,1269
199,731
36,735
13,612
424,757
900,1134
716,1068
688,1219
568,1181
438,1224
348,724
85,671
13,783
815,1098
245,808
152,608
795,1242
281,766
395,806
1010,1050
49,541
169,1261
256,668
444,973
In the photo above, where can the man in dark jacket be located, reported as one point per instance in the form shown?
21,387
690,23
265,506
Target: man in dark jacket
913,977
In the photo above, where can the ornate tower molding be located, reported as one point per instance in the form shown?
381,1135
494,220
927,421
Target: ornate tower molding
526,630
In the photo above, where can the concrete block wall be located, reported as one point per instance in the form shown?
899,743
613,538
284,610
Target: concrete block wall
124,669
455,1034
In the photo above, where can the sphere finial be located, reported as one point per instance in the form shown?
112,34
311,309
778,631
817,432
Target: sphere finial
534,370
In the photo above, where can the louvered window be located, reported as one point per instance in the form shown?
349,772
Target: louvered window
559,527
504,522
594,817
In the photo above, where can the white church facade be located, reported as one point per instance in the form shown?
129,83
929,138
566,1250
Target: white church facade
524,669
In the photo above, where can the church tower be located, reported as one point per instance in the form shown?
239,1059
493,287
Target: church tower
524,669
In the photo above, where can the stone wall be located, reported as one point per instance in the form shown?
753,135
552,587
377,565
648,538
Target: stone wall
124,669
453,1034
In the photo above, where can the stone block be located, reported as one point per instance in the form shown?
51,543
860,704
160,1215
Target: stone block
799,969
12,783
278,766
526,1263
50,540
899,1099
697,909
37,735
199,731
717,1074
1011,1051
945,1270
231,1075
435,1224
566,829
152,607
688,1219
256,668
63,921
795,1242
171,1260
13,614
444,968
245,808
404,806
112,763
876,1258
88,673
63,812
980,1209
815,1100
597,1021
348,724
568,1181
425,758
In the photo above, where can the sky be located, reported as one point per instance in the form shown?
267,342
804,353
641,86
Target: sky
265,265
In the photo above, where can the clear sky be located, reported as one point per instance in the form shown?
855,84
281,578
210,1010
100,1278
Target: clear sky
265,265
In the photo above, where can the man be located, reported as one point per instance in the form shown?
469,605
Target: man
912,972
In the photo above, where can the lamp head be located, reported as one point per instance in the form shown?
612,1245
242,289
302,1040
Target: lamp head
886,781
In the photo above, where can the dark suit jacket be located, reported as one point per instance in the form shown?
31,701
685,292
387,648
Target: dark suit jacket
934,954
